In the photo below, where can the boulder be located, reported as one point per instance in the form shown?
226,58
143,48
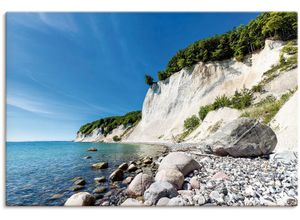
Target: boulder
100,165
180,161
172,176
87,157
100,179
158,190
81,199
243,137
117,175
92,149
139,185
132,202
132,168
123,166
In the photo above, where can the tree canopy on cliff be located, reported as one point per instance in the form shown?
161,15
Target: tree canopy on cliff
236,43
110,123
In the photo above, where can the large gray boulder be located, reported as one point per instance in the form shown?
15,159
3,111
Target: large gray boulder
179,161
139,184
173,176
243,137
81,199
158,190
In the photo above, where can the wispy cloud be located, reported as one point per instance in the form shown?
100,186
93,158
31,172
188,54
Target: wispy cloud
28,104
42,21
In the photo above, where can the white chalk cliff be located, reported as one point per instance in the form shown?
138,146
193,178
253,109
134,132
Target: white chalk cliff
168,103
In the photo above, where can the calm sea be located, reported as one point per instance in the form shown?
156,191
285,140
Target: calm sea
37,170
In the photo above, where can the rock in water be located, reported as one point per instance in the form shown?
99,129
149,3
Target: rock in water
81,199
123,166
172,176
132,168
92,149
179,161
158,190
100,165
117,175
243,137
80,182
139,185
100,179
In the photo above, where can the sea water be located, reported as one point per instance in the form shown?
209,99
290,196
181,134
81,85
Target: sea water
35,171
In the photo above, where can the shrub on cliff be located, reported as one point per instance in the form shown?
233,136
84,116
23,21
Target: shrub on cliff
221,101
191,123
116,138
242,99
204,111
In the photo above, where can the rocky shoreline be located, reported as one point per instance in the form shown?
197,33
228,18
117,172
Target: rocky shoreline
235,167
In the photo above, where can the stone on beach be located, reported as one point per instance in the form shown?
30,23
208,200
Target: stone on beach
195,183
81,199
100,189
243,137
163,201
180,161
172,176
158,190
100,165
220,176
132,202
139,185
176,201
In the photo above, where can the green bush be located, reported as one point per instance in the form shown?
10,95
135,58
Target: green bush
257,88
221,101
204,111
242,99
191,123
116,138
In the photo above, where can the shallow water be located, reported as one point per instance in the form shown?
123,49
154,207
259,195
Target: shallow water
37,170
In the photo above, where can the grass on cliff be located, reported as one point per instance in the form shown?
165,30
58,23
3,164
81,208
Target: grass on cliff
266,109
110,123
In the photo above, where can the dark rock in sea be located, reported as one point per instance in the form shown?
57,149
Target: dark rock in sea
80,182
87,157
92,149
100,165
100,179
117,175
123,166
132,168
77,187
100,189
242,137
147,160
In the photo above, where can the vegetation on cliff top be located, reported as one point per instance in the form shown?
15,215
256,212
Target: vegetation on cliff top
236,43
110,123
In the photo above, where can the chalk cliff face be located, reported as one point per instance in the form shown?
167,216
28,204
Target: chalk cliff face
168,103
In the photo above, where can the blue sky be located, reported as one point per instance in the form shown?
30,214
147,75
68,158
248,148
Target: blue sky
67,69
